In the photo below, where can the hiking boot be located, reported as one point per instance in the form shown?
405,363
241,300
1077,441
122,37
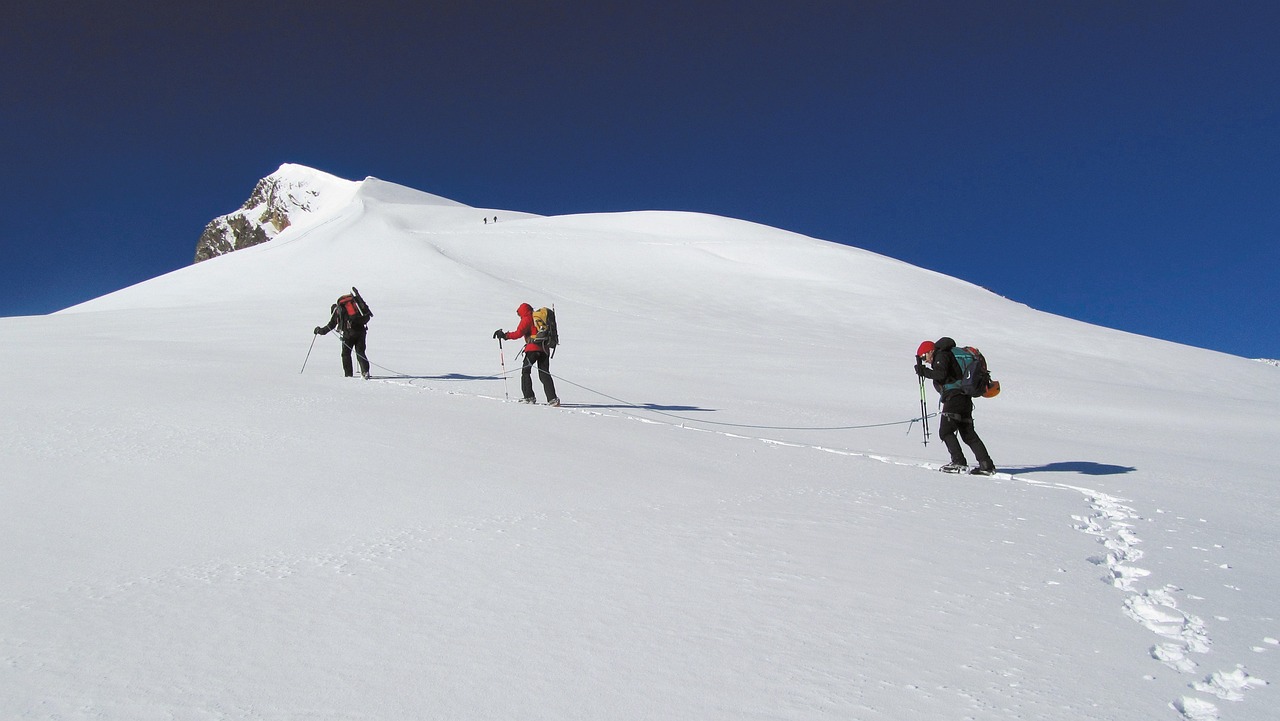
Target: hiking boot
985,469
528,400
553,402
955,468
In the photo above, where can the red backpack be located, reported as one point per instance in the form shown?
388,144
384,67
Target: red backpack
353,311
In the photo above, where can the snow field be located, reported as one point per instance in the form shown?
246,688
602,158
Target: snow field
194,529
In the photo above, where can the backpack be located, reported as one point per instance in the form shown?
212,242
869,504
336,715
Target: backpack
545,332
975,379
353,311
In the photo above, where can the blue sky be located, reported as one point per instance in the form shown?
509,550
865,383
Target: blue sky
1114,162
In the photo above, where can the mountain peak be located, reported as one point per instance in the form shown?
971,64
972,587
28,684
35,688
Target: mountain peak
277,202
294,193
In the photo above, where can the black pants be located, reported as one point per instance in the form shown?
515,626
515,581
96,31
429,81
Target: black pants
526,375
354,340
957,417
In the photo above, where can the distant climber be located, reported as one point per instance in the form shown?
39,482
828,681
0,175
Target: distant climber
957,407
534,354
350,315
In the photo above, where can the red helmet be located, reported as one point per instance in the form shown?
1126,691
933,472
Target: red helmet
925,347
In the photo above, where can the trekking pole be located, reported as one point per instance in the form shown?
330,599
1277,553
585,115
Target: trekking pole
304,360
502,358
924,413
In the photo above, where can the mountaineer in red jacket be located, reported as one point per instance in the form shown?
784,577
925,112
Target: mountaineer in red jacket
533,353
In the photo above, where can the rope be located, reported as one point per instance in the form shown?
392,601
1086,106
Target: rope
687,419
732,425
351,348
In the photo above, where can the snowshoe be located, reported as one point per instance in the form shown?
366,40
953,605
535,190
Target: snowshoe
955,468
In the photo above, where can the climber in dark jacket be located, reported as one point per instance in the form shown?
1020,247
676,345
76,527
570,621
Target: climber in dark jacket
350,316
533,354
957,408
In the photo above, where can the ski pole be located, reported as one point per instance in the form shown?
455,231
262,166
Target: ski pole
924,413
502,358
304,360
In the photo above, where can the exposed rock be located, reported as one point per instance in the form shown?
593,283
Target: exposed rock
276,203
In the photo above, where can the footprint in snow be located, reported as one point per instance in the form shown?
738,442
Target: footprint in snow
1228,685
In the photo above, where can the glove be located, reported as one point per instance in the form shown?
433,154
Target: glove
920,370
319,330
499,334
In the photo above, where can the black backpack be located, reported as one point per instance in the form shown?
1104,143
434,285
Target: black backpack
975,379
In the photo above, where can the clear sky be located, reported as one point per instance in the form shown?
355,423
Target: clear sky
1114,162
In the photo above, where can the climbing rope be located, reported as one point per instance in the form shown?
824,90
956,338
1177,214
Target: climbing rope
687,419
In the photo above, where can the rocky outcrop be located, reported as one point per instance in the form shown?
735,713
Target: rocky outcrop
277,202
228,233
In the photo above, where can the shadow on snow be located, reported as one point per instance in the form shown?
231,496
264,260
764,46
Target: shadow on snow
1088,468
445,377
465,377
635,406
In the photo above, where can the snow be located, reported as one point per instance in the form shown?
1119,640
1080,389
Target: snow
732,517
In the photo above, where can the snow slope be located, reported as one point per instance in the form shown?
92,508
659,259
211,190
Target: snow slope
733,516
